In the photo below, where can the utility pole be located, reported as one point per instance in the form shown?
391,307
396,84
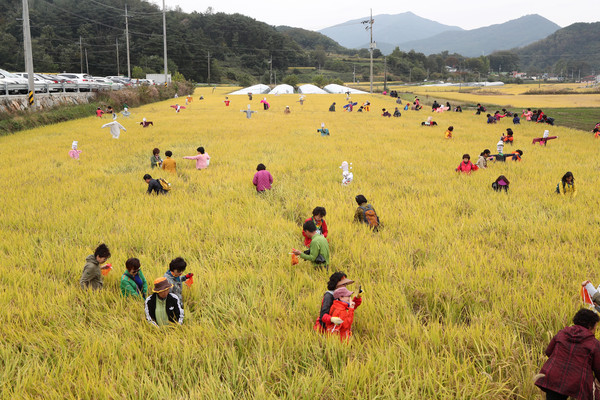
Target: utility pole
354,74
127,39
385,74
87,67
28,54
271,70
208,68
117,42
165,38
80,54
371,45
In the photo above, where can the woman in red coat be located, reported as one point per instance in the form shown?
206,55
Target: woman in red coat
342,313
574,361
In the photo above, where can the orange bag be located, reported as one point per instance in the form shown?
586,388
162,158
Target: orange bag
189,281
105,271
295,259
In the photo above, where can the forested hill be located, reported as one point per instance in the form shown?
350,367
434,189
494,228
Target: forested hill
574,49
234,41
311,40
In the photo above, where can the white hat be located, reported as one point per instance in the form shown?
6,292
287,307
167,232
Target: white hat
322,124
74,145
144,119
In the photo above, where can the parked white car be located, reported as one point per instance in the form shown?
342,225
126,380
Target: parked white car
105,81
78,78
41,83
12,79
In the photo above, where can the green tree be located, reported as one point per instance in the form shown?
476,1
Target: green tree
291,80
319,80
137,72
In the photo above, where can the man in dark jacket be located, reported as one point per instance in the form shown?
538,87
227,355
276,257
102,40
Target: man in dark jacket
163,307
574,360
154,185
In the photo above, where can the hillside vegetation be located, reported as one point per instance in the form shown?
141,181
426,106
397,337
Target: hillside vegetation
464,287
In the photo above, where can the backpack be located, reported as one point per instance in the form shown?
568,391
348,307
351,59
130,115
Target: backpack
371,217
166,186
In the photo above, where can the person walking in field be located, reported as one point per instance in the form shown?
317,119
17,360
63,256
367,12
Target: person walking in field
169,164
336,280
573,361
566,186
262,179
162,307
319,247
92,271
343,309
318,216
176,269
133,282
155,160
202,158
365,213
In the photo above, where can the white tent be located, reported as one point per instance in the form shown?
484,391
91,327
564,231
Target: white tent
256,89
310,89
333,88
282,89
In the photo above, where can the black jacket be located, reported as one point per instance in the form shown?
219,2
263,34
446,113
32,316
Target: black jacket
174,309
155,186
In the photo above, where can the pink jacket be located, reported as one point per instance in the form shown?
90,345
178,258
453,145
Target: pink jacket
201,160
75,154
262,180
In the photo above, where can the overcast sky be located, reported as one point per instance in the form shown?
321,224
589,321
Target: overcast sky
468,14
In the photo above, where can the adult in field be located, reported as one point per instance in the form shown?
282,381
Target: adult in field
319,247
92,271
484,157
154,185
262,179
365,213
573,360
155,160
169,164
133,282
397,113
332,107
318,216
163,307
202,158
336,280
343,308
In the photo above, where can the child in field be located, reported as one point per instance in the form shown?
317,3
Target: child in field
173,275
527,114
466,166
406,106
500,184
154,185
202,158
508,138
163,307
336,280
483,159
385,113
319,248
397,113
169,164
155,160
480,109
566,186
365,213
133,282
262,179
318,216
343,308
458,109
449,132
490,119
573,360
516,119
99,112
332,107
92,271
74,153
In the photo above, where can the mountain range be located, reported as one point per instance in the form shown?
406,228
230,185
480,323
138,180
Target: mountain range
411,32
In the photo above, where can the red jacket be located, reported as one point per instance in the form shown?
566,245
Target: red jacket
342,310
574,360
307,240
466,167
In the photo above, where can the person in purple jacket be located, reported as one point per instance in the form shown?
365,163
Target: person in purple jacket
262,179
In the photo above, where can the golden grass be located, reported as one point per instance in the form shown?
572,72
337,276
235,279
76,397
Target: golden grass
514,95
464,287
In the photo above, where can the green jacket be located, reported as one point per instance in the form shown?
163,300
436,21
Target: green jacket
92,276
318,245
130,288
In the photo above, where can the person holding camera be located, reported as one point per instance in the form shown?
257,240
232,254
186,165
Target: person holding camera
342,313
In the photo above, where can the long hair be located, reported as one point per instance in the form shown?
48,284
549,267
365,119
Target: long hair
564,179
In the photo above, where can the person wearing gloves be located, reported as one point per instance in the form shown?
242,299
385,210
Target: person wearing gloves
163,307
342,313
336,280
74,153
92,271
173,275
202,158
133,282
573,360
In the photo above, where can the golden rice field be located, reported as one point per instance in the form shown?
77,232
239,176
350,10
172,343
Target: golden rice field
464,287
514,95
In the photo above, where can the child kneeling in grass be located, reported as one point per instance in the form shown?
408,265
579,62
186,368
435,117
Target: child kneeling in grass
342,313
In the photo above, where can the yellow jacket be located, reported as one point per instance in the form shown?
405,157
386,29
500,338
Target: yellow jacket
169,165
568,189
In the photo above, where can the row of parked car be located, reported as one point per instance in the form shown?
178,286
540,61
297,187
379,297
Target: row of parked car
17,83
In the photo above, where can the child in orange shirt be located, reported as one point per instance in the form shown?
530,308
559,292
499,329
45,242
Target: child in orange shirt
342,313
449,132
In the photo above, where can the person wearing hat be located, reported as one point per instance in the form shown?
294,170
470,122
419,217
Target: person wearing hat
163,307
342,310
336,280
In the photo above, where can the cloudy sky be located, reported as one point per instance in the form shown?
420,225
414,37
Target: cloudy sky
468,14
